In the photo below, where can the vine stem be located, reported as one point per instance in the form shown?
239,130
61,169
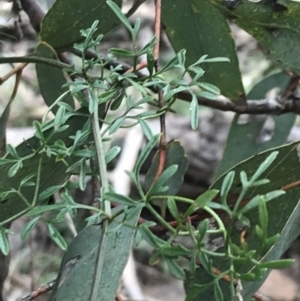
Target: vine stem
94,296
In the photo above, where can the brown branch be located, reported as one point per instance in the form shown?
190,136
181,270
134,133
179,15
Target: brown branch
157,28
31,262
138,67
118,298
40,291
163,140
260,297
254,107
12,72
34,12
292,86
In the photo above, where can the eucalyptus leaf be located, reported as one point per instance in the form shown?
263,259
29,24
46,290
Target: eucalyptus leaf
62,24
78,267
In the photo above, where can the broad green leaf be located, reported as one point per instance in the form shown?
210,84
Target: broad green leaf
273,24
51,79
63,22
283,215
205,32
175,155
78,268
243,139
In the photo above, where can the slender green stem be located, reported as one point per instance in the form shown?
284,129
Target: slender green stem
101,252
213,231
113,216
217,218
54,104
22,197
34,59
239,200
91,208
101,156
216,254
159,218
14,217
178,198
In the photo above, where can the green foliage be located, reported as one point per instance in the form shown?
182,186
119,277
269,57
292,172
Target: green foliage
239,227
262,245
